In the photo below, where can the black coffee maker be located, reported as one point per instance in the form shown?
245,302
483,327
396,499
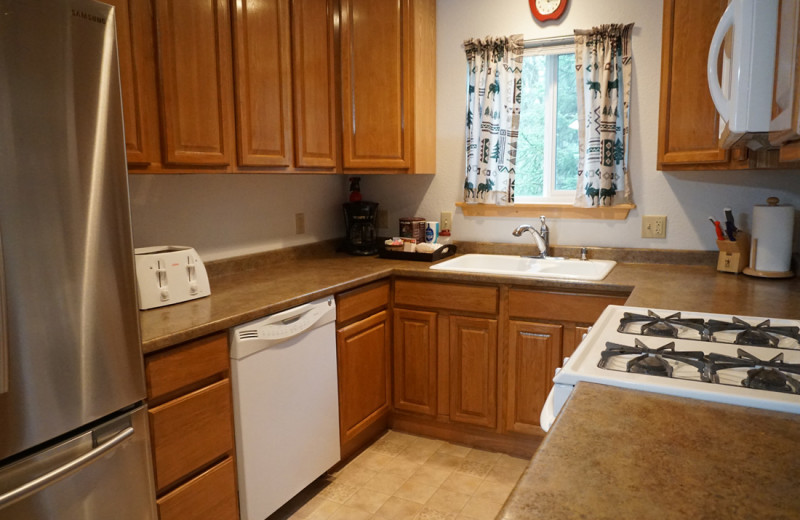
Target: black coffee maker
359,217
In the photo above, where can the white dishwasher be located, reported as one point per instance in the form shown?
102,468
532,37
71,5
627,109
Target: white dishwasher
285,404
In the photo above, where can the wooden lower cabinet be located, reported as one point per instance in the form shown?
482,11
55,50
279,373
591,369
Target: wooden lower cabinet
364,379
473,370
415,361
210,495
191,430
534,352
363,349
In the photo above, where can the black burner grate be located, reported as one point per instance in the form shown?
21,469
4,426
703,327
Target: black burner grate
653,361
654,325
773,375
761,335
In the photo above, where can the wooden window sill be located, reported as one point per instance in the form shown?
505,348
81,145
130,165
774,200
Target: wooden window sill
619,212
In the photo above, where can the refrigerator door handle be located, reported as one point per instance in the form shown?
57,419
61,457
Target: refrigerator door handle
3,324
50,477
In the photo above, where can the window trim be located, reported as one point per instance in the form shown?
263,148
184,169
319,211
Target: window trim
551,210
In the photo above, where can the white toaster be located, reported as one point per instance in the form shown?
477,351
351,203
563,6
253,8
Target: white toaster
169,274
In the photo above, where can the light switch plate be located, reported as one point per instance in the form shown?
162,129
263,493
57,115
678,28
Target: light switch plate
654,226
446,221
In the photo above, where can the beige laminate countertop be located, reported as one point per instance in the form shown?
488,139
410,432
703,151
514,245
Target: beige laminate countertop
252,293
623,454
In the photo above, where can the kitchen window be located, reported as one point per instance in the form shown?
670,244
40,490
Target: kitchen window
547,148
546,171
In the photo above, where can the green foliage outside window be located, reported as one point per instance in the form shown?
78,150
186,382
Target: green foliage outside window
531,168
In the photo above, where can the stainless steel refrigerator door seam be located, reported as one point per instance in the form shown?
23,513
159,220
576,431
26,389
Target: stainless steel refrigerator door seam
50,477
3,324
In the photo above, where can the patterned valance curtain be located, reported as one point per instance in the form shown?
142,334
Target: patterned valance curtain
494,89
603,70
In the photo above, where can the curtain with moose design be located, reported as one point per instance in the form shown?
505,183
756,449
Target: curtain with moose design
494,90
603,71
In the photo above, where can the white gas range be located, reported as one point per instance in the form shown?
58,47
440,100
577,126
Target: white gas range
740,360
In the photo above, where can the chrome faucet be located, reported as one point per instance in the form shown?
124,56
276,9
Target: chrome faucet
542,237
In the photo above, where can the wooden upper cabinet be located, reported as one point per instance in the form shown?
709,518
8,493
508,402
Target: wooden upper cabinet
194,56
137,77
314,79
375,66
263,72
279,85
688,130
785,124
386,81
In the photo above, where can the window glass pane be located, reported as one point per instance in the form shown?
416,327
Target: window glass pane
530,146
566,125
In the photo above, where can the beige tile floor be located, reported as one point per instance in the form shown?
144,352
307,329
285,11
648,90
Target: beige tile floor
405,477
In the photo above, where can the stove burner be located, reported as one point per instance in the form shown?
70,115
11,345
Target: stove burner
761,335
653,361
773,375
655,325
769,379
651,365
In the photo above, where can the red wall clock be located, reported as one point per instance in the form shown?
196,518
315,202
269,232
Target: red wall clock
547,9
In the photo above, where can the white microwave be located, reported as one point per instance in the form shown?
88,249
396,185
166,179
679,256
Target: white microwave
743,92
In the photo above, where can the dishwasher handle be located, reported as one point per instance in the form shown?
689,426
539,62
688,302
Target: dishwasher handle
255,336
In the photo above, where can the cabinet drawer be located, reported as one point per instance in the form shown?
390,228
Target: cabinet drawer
211,494
449,296
361,301
191,431
189,363
578,308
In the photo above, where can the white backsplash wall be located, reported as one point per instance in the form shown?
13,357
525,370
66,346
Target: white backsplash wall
227,215
687,198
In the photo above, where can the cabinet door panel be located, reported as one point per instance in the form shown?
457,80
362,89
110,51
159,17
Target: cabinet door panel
193,41
473,371
262,58
363,351
415,361
534,352
688,122
314,78
375,75
137,77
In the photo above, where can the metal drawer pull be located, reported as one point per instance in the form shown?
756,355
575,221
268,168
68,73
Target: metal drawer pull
51,477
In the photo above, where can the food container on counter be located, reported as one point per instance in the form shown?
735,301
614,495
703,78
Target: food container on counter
413,227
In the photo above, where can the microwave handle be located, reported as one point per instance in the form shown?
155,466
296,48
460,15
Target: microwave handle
725,23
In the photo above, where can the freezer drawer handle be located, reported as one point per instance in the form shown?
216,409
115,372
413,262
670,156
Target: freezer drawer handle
57,474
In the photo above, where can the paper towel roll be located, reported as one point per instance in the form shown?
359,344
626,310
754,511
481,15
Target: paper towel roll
773,228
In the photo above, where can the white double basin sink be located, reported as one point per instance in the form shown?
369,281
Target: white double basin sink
551,268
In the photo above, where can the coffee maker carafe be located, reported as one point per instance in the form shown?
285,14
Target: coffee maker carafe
361,237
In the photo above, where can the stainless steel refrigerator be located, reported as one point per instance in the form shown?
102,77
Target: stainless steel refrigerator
73,427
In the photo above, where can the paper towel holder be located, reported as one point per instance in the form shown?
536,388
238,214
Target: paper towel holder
751,271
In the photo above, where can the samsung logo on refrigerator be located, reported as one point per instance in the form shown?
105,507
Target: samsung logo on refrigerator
90,17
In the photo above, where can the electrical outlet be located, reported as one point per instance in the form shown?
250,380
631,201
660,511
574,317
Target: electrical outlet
446,221
383,219
654,226
299,223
